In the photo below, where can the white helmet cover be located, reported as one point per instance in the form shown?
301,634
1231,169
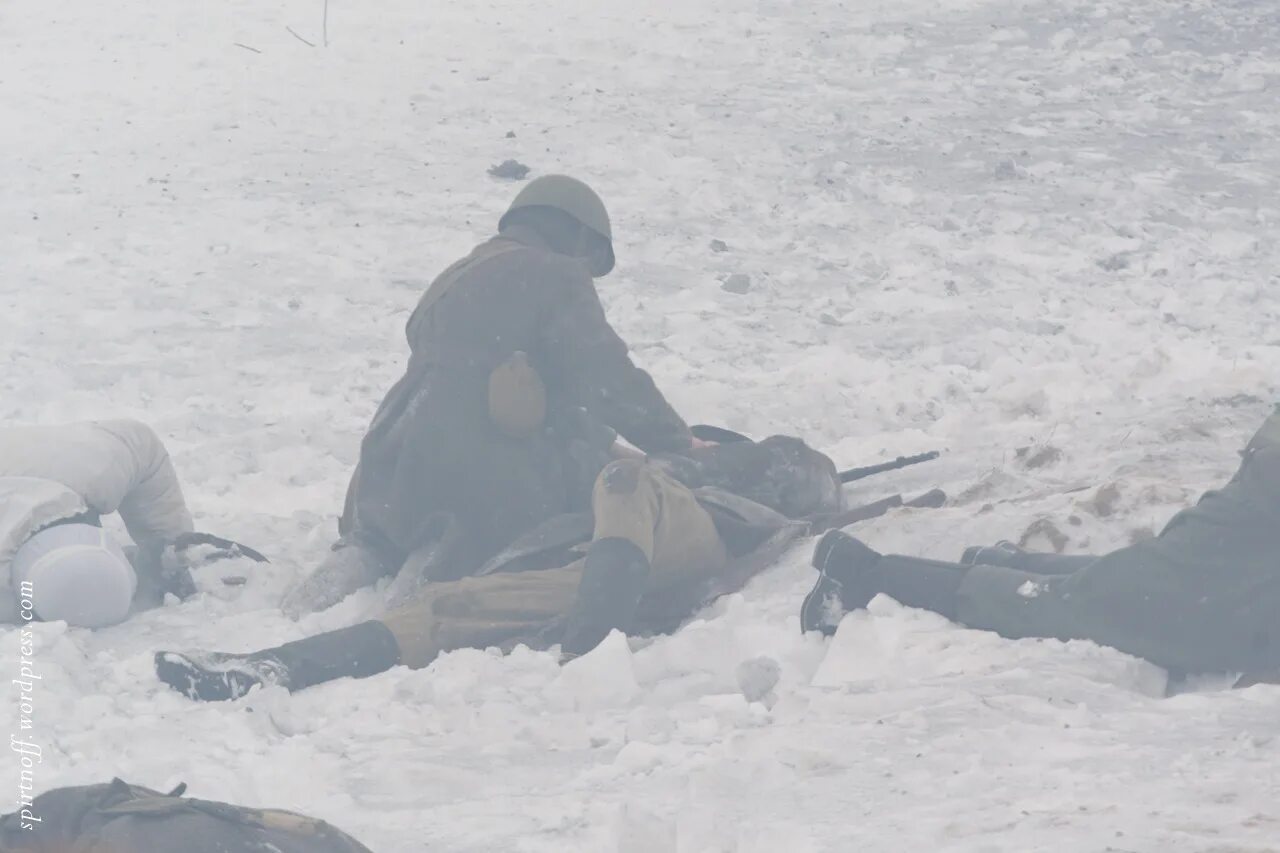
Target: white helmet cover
76,573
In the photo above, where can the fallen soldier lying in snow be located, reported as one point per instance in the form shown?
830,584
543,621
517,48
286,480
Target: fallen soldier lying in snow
659,550
56,561
1202,597
122,818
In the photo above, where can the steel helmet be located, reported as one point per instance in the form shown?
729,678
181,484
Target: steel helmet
570,196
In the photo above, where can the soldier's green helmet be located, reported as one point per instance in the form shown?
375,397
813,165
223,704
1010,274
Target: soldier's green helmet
573,197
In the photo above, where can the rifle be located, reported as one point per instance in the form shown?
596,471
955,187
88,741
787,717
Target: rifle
226,548
931,499
720,435
901,462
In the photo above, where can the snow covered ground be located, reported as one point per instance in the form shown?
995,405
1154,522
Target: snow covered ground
971,225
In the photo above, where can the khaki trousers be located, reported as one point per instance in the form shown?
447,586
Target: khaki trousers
630,500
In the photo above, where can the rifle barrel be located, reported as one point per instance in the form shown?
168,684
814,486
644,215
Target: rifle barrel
901,462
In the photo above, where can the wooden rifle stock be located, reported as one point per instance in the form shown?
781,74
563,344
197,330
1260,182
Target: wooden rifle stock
930,499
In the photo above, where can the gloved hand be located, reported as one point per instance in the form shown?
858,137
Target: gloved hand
170,562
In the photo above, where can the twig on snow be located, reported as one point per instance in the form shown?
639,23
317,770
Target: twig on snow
325,24
246,47
300,38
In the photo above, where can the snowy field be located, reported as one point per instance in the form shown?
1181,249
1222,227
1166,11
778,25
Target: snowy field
976,226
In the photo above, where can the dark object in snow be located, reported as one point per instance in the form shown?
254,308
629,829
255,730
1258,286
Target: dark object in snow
615,574
850,575
853,474
359,651
511,134
215,677
509,170
118,816
737,283
931,499
719,246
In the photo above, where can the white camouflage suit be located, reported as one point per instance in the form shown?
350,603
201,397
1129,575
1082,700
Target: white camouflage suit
50,474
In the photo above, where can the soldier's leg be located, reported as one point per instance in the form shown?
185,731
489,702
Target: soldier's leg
356,652
1200,597
1011,556
1182,601
650,532
1009,601
643,505
1170,600
496,610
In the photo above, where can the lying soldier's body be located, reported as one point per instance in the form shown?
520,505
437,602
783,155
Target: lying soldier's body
1202,597
659,550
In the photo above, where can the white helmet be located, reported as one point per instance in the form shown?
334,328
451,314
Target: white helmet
75,573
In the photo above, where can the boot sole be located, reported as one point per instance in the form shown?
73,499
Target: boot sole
815,609
199,683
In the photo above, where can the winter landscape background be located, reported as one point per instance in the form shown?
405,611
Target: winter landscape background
973,225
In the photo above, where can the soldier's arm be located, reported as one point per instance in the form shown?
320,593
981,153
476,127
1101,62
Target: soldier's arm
592,363
142,486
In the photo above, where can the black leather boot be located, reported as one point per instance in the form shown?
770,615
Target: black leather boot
614,577
842,562
356,652
851,574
